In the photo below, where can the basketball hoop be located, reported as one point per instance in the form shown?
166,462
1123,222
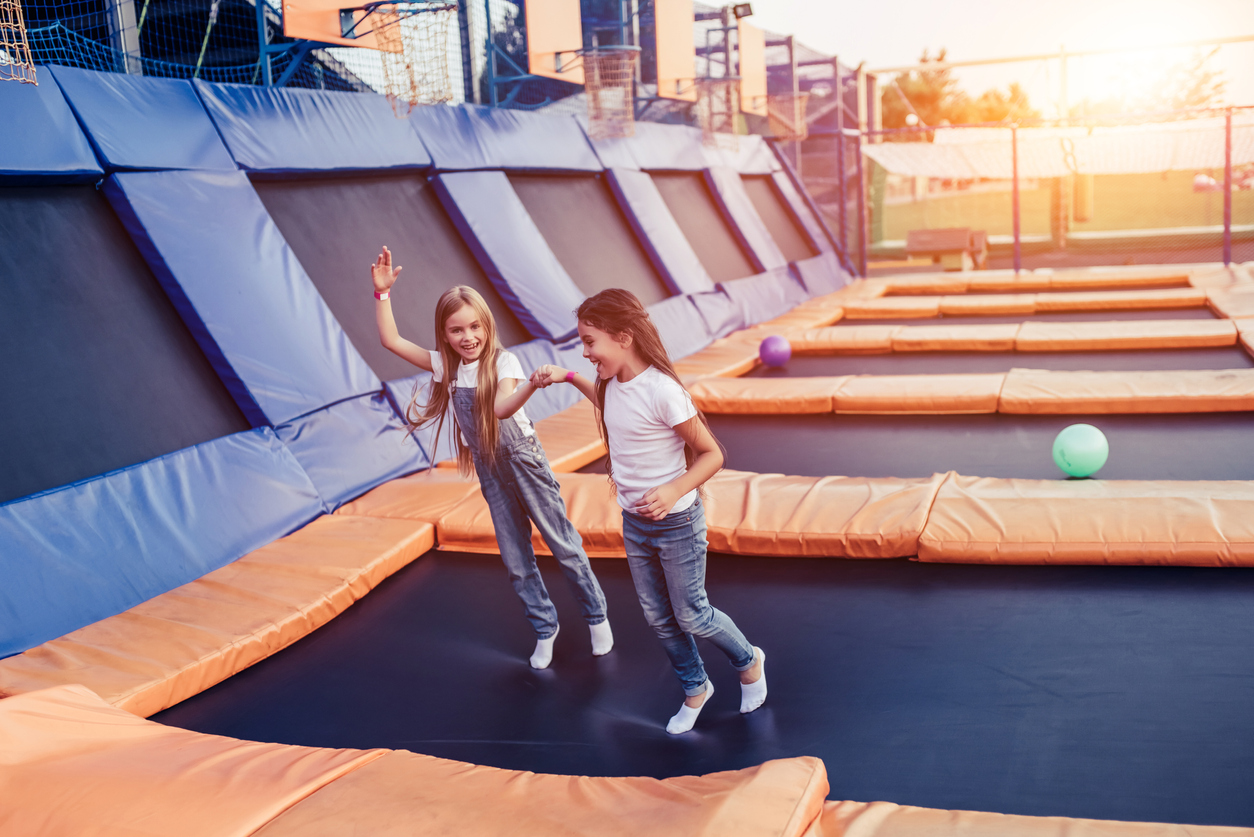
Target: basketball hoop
718,107
15,61
413,44
609,75
786,113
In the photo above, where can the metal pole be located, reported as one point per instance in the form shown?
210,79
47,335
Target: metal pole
840,154
263,51
862,220
796,95
1014,164
490,53
1064,107
1228,187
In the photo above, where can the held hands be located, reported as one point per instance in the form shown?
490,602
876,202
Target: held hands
547,374
382,273
659,501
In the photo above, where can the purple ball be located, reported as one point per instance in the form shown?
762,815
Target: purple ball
775,350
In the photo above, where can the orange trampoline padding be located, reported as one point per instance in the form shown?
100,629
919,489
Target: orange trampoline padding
886,819
919,394
845,517
425,496
763,396
988,304
724,357
993,337
1121,300
1165,276
892,306
1124,334
180,643
570,438
1016,521
75,766
1174,391
943,282
404,794
1007,281
1233,302
847,339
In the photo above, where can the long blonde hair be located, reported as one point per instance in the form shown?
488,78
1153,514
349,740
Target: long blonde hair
618,312
418,415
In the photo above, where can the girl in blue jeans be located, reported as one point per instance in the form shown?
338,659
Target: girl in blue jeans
660,453
495,437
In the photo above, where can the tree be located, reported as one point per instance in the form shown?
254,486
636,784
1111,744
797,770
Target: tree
934,96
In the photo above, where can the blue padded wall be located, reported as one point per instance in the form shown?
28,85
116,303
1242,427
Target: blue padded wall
809,224
135,122
241,291
278,131
511,250
651,219
659,147
77,554
350,447
468,137
759,298
719,312
681,325
729,192
822,274
49,147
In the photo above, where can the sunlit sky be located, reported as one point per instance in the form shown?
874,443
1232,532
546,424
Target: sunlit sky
895,32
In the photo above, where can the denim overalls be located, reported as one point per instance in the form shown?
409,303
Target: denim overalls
518,486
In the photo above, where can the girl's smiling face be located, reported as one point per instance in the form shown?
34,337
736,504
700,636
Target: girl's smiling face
608,353
465,333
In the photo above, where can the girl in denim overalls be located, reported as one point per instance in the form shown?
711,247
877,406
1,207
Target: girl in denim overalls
660,453
496,437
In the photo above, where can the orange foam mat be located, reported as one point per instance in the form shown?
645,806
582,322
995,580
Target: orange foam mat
1232,302
74,766
843,517
425,496
1006,281
845,339
885,819
919,394
1124,334
404,794
1161,276
180,643
991,337
726,357
1174,391
892,306
1016,521
937,282
758,396
988,304
570,438
1137,300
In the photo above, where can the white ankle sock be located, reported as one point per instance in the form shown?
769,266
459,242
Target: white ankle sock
543,655
687,715
602,638
753,695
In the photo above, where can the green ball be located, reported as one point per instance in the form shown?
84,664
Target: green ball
1080,450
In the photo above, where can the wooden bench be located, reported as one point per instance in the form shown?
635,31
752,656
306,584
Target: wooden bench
953,248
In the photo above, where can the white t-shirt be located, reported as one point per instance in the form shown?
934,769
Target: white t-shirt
645,450
507,366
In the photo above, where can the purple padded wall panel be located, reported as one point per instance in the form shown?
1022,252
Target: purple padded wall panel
241,291
285,130
743,217
822,274
792,198
721,314
511,250
751,155
655,226
50,147
350,447
78,554
767,295
467,137
144,123
681,325
660,147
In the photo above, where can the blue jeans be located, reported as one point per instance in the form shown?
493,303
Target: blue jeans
667,561
520,489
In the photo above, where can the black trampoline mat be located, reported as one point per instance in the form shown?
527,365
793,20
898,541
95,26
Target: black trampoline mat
336,226
1048,317
1172,446
587,231
941,363
1104,692
702,223
778,218
97,369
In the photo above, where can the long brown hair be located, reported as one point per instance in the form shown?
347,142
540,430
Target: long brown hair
450,302
618,312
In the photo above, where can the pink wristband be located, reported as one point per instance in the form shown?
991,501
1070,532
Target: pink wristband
570,377
381,296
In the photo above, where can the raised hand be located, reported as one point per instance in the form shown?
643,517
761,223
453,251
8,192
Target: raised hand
382,273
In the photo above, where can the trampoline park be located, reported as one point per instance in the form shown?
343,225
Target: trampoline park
239,598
